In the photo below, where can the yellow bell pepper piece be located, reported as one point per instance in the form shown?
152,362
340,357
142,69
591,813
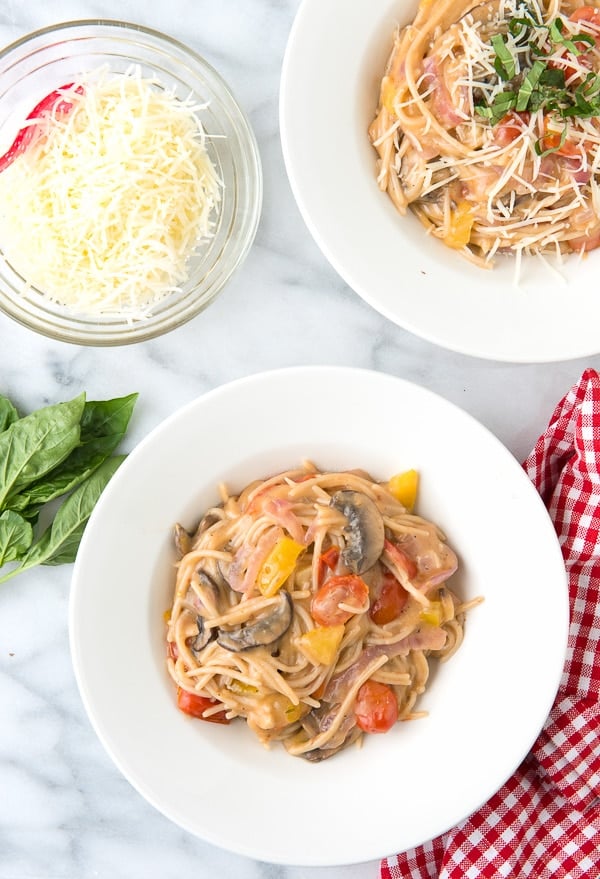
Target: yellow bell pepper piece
294,712
461,224
320,645
240,688
275,711
388,95
278,566
432,615
404,486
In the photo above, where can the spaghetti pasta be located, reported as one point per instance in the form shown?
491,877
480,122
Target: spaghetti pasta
310,605
488,125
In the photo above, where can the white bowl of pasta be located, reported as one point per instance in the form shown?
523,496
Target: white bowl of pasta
135,626
476,128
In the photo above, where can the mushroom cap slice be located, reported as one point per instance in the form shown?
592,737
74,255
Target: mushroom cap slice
364,531
264,632
182,540
204,636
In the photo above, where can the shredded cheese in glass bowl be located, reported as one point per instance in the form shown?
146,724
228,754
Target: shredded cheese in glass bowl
129,192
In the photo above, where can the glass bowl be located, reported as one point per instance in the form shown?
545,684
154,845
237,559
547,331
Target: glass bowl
44,60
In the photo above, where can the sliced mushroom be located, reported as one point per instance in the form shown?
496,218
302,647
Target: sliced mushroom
262,633
182,539
317,755
365,531
211,518
204,637
208,588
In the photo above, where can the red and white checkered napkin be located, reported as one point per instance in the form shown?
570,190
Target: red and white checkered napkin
545,821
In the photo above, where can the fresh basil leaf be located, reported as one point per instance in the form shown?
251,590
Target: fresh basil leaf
72,516
504,62
79,465
103,426
556,31
590,88
539,144
106,417
35,444
8,413
60,542
16,536
485,112
536,51
500,106
518,27
528,17
529,84
570,43
553,78
582,38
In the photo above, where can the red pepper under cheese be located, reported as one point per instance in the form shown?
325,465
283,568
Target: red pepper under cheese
55,102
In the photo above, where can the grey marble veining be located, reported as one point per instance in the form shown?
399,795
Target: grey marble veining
65,810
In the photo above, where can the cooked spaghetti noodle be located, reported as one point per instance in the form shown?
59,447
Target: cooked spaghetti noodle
310,605
488,125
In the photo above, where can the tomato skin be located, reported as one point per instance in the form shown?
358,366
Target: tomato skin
376,707
551,140
327,561
344,588
567,149
510,127
195,706
591,14
390,600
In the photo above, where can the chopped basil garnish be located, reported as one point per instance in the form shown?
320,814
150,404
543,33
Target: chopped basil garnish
542,84
530,83
539,144
504,64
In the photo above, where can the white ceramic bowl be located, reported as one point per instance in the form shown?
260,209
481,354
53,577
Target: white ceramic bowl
326,106
401,788
44,60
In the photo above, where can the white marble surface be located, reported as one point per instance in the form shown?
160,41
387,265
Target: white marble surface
65,810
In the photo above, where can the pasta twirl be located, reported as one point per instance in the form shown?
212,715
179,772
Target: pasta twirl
310,605
488,125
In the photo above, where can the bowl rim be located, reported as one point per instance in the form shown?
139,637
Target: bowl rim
64,328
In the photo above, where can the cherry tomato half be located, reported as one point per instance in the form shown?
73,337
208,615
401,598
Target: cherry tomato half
389,601
347,589
510,127
195,705
376,707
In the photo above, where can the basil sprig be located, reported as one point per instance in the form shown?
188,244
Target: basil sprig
64,453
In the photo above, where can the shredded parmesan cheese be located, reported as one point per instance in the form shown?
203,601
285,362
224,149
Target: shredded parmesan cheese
103,211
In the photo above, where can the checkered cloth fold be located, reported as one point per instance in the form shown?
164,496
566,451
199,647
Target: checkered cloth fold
545,821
